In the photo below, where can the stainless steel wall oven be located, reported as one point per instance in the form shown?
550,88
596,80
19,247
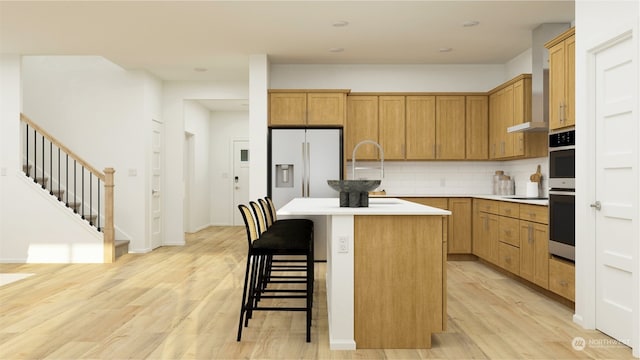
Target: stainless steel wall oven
562,221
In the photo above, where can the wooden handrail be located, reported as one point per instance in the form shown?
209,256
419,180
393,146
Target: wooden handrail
59,144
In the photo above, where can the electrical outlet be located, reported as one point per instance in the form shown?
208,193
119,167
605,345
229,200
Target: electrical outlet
343,244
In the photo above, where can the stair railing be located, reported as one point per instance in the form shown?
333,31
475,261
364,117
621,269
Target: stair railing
72,180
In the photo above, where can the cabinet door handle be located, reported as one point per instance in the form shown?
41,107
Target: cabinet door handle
530,233
564,283
508,211
532,215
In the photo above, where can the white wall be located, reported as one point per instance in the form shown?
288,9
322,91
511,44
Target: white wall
174,95
58,235
103,113
226,126
596,21
388,78
196,119
259,83
521,64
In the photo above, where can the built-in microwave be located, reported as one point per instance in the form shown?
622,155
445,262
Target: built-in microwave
562,160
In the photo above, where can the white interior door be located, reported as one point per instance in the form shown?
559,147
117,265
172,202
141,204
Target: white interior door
616,187
157,137
240,179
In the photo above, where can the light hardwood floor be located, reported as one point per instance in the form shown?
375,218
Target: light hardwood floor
183,303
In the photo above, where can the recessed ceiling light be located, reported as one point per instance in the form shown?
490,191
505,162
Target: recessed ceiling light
336,50
199,69
470,23
445,49
340,23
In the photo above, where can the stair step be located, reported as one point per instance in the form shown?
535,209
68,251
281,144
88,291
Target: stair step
122,247
75,206
58,194
90,218
42,181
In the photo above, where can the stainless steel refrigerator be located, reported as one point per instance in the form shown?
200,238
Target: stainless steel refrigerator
301,161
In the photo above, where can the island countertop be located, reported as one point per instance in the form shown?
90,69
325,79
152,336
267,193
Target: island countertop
377,206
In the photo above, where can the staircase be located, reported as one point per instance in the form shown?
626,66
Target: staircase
83,189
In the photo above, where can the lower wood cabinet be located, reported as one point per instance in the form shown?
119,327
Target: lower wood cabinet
534,253
509,257
486,230
562,275
515,237
458,224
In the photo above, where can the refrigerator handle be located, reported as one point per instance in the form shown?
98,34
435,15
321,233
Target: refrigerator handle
308,162
304,169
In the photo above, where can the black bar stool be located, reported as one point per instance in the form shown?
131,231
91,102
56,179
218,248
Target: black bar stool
263,244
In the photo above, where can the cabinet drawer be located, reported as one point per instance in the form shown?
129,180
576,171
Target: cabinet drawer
509,231
488,206
509,258
509,209
535,213
562,277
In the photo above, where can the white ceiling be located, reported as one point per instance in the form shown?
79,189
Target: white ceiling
172,38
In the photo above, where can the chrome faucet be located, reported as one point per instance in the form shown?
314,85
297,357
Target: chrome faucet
353,158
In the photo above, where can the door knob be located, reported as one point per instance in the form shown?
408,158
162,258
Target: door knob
153,192
596,205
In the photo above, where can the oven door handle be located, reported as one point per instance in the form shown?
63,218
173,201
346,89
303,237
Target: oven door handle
568,193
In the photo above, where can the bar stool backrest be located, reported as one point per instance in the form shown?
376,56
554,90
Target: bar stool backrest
267,212
257,210
272,207
250,224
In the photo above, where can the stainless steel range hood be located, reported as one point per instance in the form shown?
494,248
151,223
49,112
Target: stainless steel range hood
540,77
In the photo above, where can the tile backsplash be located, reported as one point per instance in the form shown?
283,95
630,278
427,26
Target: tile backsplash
450,177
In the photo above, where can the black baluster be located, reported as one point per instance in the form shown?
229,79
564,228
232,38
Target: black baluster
75,177
50,167
99,205
90,196
59,193
44,187
35,151
66,178
26,159
82,184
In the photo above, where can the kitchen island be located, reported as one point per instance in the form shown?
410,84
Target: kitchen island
386,271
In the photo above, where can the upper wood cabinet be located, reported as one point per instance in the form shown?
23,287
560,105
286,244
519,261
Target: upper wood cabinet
362,124
307,107
420,125
391,122
450,127
477,136
562,80
510,104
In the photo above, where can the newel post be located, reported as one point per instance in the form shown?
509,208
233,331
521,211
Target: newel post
109,231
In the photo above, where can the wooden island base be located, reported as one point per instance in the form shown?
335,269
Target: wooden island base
399,280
